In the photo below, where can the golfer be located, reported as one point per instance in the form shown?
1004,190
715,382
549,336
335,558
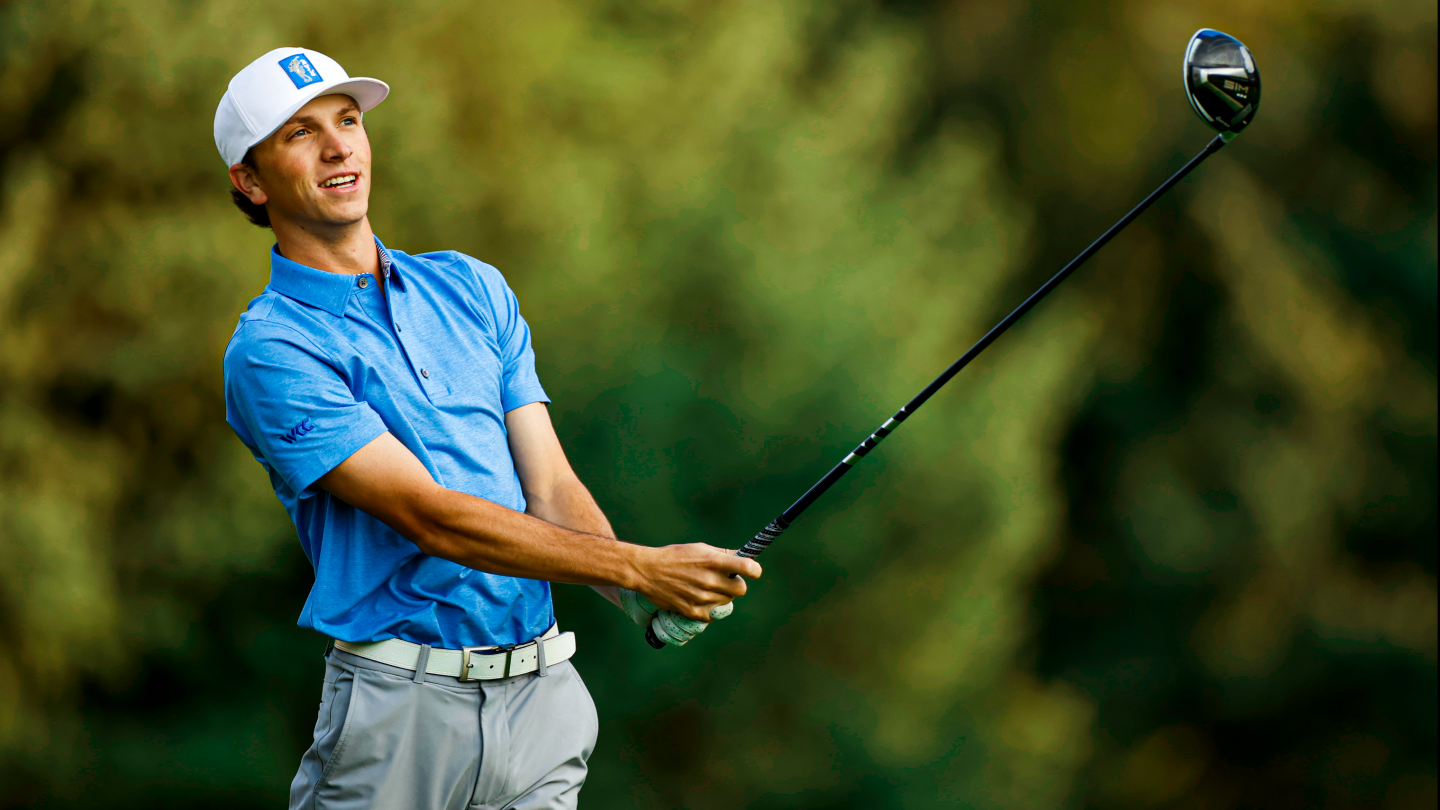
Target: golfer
393,401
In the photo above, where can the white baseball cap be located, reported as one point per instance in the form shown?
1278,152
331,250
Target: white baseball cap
272,88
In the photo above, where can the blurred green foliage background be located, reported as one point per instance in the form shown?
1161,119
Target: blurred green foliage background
1170,543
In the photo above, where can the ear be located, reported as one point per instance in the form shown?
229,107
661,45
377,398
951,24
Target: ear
244,179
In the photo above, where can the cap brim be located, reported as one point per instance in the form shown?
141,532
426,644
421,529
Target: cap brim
367,93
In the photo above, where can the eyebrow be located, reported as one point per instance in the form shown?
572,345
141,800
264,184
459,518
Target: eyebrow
310,119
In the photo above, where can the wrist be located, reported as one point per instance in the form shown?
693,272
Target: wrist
634,561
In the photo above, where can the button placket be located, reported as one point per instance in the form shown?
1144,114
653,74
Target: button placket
427,384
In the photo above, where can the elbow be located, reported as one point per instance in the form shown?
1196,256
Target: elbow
426,536
418,519
430,536
543,500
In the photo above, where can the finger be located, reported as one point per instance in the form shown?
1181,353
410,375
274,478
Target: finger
674,629
732,587
721,612
699,614
718,588
743,566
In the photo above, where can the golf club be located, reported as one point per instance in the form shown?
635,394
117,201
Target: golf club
1223,85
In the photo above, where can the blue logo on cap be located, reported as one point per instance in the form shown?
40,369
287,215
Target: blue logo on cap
300,71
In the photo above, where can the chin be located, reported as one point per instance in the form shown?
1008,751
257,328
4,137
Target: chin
350,217
348,214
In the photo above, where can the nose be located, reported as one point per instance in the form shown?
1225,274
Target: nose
335,150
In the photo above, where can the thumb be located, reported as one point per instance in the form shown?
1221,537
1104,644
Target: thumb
637,607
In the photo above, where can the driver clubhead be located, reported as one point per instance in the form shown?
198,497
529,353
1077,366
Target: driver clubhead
1222,81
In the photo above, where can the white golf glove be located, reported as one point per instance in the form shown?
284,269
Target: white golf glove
671,627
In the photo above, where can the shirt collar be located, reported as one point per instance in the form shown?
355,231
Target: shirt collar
319,289
386,263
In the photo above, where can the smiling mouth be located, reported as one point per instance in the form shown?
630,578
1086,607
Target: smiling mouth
342,182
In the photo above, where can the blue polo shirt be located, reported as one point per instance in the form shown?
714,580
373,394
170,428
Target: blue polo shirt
321,364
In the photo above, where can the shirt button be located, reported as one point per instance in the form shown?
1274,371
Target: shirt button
364,282
424,373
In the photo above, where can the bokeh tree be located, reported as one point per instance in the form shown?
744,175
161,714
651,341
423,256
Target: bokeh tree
1170,543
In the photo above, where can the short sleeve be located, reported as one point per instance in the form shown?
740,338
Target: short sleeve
290,404
520,384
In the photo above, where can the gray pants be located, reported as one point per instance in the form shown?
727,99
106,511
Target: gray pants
384,740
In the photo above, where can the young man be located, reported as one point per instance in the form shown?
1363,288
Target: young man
394,403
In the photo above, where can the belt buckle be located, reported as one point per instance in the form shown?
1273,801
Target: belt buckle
507,649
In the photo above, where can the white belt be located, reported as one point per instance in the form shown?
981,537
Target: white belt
470,663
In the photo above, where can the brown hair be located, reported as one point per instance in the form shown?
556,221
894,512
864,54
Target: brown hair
255,213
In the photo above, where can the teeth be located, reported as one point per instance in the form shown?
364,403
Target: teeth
338,181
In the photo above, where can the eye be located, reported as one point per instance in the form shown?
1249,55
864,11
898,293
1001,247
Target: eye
349,119
298,132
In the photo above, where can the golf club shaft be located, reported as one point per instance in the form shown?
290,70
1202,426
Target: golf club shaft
767,535
783,521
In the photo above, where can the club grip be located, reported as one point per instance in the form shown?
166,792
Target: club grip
762,541
751,550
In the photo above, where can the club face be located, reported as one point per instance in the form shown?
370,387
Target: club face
1222,81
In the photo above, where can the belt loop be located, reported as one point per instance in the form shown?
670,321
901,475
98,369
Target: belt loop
329,645
540,657
422,662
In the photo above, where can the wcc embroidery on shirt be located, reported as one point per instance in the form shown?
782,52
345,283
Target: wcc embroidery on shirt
299,430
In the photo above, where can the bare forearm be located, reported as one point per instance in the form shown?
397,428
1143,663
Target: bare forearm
487,537
385,480
552,491
571,505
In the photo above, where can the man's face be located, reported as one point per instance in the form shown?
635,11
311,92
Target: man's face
315,169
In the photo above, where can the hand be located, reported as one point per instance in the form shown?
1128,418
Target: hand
701,576
693,579
676,630
638,608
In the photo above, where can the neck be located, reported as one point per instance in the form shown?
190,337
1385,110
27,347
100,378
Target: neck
349,250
